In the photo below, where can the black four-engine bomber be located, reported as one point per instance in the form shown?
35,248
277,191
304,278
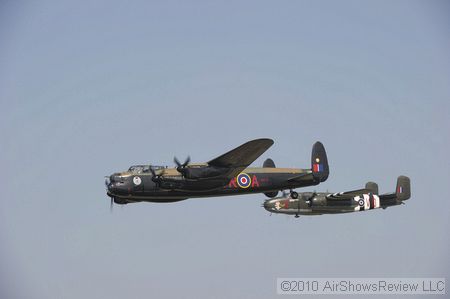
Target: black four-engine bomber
228,174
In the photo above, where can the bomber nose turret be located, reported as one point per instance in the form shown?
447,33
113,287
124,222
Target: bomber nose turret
118,184
114,177
112,183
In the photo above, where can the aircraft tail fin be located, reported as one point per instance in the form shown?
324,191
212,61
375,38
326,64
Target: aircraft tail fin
402,192
403,188
319,162
373,187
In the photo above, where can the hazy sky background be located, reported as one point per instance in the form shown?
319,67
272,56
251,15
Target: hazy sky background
87,89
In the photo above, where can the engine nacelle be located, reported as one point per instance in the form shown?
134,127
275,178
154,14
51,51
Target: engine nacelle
270,164
366,202
315,200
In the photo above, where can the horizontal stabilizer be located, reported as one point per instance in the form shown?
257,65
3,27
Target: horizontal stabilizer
402,191
297,177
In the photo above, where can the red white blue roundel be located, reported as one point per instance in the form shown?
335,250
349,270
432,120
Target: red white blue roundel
244,180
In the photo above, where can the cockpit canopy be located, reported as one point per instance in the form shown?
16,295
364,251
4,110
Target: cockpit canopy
144,168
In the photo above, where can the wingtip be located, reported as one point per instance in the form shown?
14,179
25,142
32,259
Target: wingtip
268,141
264,139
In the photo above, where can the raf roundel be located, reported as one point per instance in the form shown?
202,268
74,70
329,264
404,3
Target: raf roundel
244,180
137,180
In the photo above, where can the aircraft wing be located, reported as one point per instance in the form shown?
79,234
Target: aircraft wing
348,194
241,157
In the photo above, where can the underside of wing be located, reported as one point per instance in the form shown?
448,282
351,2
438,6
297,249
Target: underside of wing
347,195
242,156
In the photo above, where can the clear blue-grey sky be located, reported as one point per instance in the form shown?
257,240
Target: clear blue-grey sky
90,87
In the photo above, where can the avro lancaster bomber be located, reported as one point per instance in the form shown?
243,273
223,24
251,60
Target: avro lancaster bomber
228,174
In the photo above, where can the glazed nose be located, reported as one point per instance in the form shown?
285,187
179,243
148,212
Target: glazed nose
111,182
268,205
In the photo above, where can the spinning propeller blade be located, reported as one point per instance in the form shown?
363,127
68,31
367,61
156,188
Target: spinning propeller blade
155,177
181,167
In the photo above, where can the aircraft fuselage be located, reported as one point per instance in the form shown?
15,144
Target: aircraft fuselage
134,187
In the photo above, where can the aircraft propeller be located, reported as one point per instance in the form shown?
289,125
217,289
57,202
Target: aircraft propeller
181,167
107,181
155,177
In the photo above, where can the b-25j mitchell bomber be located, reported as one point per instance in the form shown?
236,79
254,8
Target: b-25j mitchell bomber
312,203
228,174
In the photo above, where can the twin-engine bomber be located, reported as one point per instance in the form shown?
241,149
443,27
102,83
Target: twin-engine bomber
227,174
312,203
